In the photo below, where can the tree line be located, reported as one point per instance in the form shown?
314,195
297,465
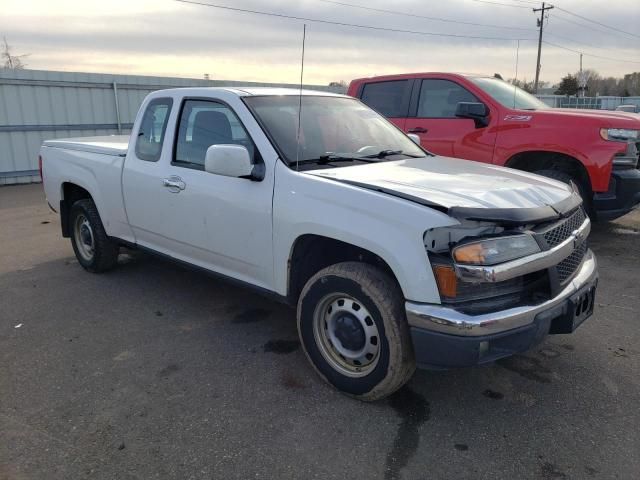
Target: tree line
594,84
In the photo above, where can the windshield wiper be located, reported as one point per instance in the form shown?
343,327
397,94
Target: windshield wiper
388,153
332,158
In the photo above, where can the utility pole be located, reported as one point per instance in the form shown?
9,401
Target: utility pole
540,25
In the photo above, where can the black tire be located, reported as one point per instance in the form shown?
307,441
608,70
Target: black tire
564,177
383,302
104,251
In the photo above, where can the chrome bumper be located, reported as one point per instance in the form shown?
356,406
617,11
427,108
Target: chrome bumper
441,319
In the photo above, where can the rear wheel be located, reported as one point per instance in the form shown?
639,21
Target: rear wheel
95,251
353,328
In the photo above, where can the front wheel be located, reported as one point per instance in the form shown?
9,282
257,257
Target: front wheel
95,251
353,328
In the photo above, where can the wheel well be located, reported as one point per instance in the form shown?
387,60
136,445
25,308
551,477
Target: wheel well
71,193
312,253
541,160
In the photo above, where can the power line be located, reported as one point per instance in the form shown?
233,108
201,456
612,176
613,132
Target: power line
528,2
386,29
590,27
415,15
615,29
501,4
343,24
591,54
553,34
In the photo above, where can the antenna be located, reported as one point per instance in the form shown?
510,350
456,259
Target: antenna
304,36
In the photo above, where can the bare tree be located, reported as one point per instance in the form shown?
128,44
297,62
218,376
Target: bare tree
11,61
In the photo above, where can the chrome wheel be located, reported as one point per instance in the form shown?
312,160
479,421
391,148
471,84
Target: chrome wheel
83,236
346,335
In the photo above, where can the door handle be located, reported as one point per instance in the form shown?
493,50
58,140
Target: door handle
174,184
418,130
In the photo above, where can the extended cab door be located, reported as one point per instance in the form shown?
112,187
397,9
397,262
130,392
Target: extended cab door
432,117
217,222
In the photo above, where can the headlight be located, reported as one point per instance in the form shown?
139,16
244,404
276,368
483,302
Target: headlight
619,134
495,250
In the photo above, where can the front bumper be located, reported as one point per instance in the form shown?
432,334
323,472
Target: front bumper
623,194
443,337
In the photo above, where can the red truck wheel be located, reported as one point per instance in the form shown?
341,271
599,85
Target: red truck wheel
567,178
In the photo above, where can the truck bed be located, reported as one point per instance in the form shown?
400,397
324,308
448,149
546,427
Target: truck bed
115,145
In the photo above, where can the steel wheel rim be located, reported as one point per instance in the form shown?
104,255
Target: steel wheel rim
340,322
83,236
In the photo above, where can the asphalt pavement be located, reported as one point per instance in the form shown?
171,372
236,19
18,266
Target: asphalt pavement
156,371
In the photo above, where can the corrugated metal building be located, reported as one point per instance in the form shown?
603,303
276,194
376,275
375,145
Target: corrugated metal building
36,105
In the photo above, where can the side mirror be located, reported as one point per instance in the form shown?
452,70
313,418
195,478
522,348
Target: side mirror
475,111
232,161
414,137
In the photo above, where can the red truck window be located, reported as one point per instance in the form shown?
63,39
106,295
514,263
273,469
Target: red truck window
388,98
439,98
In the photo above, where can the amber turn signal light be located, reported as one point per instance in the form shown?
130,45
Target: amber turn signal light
446,280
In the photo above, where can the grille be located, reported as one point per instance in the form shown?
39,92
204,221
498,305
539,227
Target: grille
569,265
560,233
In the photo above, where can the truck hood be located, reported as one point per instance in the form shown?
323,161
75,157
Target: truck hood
609,117
464,189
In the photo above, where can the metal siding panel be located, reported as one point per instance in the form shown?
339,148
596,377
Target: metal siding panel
33,97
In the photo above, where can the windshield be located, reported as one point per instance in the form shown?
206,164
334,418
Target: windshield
334,131
509,95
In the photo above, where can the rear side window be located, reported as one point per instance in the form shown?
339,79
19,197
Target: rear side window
152,129
388,98
439,98
204,123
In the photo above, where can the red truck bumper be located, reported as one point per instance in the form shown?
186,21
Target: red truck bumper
622,196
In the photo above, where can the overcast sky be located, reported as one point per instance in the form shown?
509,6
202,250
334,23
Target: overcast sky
164,37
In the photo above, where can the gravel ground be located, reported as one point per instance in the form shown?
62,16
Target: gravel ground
156,371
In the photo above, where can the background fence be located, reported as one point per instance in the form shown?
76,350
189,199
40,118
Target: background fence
598,103
37,105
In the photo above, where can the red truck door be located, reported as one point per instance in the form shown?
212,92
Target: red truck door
389,98
432,117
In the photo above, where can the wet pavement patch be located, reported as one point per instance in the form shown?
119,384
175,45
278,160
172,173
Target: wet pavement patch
413,410
527,367
251,315
281,346
550,471
493,394
169,370
463,447
549,353
289,380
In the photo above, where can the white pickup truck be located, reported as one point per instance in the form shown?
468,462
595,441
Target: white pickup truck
394,257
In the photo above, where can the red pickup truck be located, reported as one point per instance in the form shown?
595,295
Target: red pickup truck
489,120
